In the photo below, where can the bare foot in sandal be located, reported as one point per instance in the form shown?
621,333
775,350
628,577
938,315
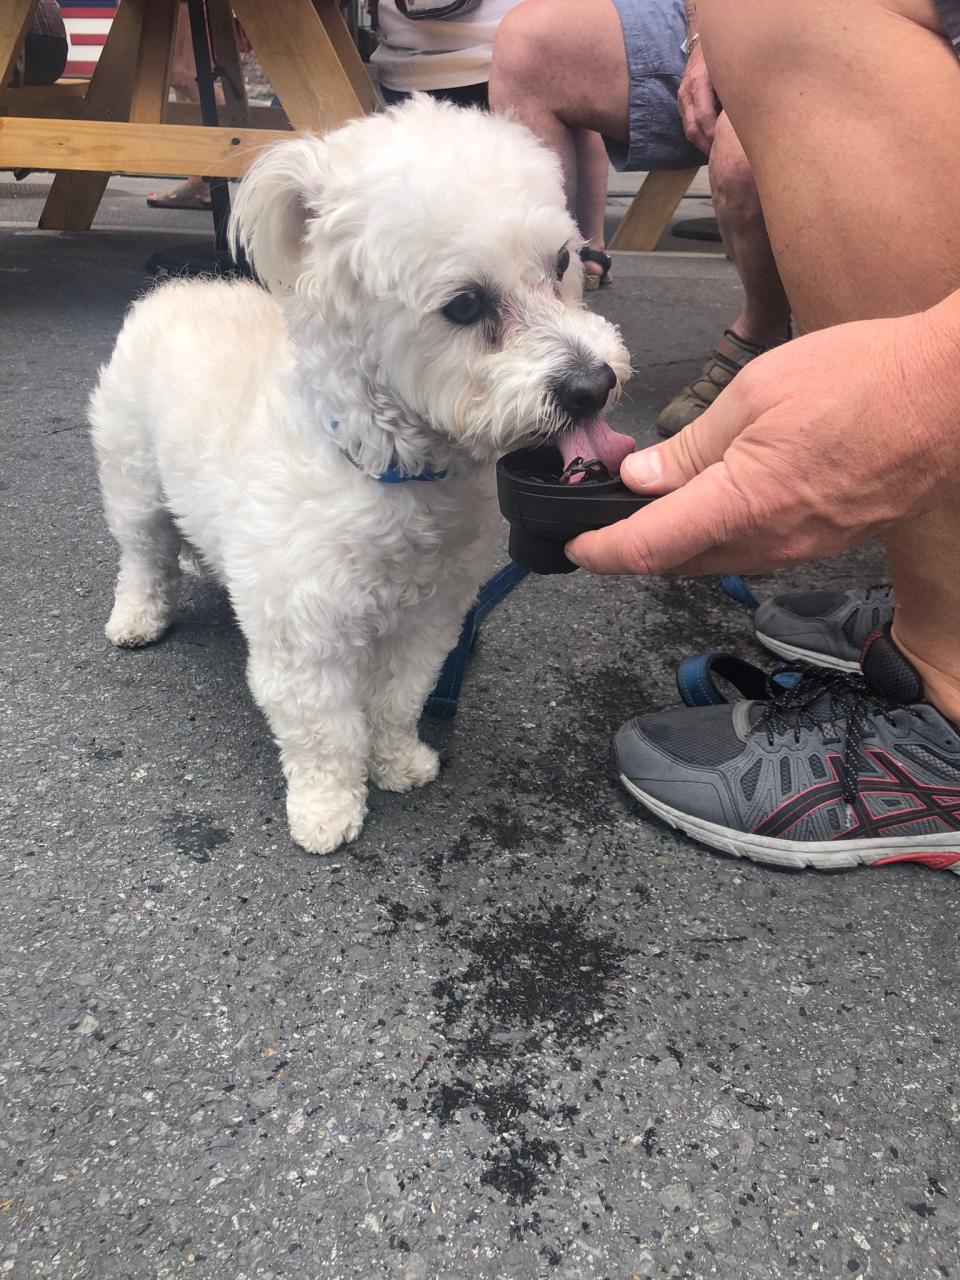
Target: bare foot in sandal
596,268
194,193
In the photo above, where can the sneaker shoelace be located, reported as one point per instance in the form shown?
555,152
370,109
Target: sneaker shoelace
823,700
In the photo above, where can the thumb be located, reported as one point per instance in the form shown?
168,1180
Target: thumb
707,513
668,466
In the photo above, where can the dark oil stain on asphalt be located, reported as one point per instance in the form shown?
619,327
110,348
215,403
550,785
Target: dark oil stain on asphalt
498,1105
529,970
194,835
535,984
516,1169
399,914
571,781
533,981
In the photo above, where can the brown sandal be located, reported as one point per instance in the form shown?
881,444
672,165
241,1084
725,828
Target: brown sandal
180,198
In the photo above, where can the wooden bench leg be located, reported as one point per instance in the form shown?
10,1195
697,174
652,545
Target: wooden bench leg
75,197
348,53
14,20
302,61
151,79
651,210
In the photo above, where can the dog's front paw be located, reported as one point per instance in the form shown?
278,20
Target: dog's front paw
403,765
129,628
321,821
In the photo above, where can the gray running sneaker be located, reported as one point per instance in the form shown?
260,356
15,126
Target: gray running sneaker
825,628
838,770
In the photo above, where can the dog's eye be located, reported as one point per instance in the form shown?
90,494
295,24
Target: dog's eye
563,261
467,307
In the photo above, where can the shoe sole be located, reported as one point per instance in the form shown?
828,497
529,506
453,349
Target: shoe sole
815,658
942,852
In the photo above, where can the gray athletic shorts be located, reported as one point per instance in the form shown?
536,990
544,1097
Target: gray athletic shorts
949,11
653,31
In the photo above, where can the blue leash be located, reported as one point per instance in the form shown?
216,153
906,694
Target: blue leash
738,590
695,676
697,679
442,703
698,688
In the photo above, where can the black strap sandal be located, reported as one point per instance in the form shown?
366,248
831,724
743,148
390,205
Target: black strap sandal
604,261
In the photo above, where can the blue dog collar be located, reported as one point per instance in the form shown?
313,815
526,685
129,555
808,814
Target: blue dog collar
395,474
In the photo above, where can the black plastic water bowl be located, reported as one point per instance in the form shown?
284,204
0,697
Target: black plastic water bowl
544,514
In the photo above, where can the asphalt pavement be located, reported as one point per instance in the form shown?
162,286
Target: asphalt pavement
518,1029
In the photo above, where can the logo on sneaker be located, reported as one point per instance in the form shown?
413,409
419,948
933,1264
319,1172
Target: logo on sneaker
927,801
875,635
936,861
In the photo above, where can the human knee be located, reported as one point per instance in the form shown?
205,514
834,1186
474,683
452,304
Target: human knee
525,51
734,191
732,183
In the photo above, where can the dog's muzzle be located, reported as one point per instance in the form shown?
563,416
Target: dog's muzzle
583,391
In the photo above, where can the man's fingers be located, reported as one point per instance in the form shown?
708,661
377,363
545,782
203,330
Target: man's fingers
691,128
707,113
741,556
707,512
665,467
697,103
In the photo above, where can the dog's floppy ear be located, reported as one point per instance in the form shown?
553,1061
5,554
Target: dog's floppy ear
272,206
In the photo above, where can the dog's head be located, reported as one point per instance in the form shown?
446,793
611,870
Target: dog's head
429,271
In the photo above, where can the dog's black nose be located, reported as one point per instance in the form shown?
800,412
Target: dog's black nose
583,391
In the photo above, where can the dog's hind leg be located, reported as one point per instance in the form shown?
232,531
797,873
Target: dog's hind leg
147,580
149,540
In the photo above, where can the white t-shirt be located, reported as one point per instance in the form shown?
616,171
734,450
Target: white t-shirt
445,53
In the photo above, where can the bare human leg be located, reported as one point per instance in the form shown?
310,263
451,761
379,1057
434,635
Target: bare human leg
560,67
193,192
764,318
853,128
591,203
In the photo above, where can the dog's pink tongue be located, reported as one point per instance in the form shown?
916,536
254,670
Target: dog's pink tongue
594,440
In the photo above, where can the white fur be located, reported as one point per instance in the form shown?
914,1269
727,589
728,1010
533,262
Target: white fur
211,426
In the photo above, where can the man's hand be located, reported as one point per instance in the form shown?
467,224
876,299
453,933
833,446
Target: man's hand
697,103
813,447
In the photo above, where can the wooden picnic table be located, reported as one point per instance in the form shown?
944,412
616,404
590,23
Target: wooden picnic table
122,122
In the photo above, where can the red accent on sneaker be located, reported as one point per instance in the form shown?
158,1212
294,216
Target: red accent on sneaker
937,861
874,635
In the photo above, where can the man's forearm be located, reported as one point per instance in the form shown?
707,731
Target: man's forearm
691,18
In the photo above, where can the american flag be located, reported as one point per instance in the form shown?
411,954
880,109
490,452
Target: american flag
87,26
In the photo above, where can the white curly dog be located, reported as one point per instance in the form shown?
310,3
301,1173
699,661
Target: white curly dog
323,445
